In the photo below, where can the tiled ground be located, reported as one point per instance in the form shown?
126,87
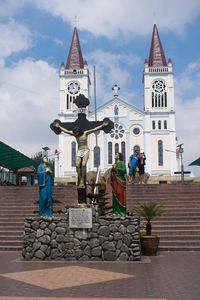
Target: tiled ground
169,276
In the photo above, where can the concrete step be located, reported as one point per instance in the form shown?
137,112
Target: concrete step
176,227
10,222
179,243
11,237
10,248
185,237
7,228
176,232
178,248
15,243
11,232
174,223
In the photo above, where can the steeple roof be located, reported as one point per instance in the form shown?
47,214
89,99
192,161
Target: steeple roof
156,55
75,58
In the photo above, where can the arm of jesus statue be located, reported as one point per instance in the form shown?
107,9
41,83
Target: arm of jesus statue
104,124
56,124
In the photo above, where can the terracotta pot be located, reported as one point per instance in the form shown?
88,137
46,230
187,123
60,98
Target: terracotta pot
149,244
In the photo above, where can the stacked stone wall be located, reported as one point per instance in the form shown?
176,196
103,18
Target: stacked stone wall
110,239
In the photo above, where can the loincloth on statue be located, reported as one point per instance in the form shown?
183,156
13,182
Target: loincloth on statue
82,152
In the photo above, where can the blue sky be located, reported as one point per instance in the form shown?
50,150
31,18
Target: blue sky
115,36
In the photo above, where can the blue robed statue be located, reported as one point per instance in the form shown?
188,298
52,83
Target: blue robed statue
45,180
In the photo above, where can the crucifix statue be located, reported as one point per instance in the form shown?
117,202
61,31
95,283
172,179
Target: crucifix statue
80,129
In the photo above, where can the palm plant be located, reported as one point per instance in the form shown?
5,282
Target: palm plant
148,210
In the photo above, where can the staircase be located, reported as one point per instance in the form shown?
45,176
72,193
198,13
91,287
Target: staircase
18,202
178,227
179,224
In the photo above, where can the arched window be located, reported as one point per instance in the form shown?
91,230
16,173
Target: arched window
159,124
96,156
73,153
165,99
159,100
162,100
160,153
123,145
156,103
67,101
165,124
153,125
109,152
152,99
159,93
116,148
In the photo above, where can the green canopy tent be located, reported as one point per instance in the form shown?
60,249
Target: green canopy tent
12,159
195,162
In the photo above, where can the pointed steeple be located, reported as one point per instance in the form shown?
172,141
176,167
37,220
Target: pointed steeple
156,55
75,58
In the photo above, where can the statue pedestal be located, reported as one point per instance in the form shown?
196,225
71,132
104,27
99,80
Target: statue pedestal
109,239
82,195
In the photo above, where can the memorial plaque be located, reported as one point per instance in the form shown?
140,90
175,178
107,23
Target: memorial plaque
80,217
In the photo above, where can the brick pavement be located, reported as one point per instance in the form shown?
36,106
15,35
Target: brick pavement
168,276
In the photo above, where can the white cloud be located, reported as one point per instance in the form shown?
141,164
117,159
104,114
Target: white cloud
29,103
15,37
189,79
112,69
187,120
9,8
187,112
109,18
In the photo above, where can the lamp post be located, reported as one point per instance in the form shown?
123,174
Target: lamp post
181,150
45,151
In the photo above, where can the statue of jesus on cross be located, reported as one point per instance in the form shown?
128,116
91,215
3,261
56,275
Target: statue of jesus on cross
80,129
82,154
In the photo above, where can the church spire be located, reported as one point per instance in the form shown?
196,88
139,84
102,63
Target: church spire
156,55
75,58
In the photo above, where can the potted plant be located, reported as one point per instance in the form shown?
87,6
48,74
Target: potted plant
149,241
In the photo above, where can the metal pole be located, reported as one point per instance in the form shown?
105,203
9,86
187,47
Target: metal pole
182,167
95,102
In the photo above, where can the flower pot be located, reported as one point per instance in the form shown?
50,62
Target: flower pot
149,244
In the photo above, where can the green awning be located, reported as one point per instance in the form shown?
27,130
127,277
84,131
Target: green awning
12,159
195,162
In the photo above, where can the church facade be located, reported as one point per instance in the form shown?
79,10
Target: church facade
151,130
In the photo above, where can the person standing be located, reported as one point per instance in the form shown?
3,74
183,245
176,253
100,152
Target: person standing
45,181
141,165
118,183
133,163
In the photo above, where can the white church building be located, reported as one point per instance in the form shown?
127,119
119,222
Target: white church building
152,130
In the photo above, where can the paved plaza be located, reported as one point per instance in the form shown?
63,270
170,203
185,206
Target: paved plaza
170,275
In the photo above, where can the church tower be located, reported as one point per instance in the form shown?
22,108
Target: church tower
160,134
74,77
74,80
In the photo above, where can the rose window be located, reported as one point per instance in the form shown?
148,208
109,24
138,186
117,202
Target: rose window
158,86
117,132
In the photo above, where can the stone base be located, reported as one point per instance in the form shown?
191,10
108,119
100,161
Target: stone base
110,239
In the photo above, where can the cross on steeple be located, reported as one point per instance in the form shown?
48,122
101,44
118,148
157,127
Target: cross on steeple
75,21
115,88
